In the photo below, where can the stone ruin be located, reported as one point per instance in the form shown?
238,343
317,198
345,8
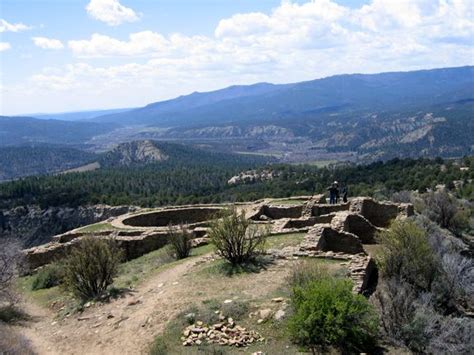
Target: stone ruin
332,231
336,231
135,233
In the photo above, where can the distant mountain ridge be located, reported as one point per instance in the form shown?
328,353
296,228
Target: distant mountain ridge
78,115
357,117
268,102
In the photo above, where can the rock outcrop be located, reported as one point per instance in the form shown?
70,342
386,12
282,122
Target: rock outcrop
32,225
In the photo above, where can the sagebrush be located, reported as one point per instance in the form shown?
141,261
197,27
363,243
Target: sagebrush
91,267
180,241
236,239
406,253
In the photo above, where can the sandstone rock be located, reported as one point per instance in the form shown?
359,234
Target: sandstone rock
278,299
279,315
133,302
265,313
37,226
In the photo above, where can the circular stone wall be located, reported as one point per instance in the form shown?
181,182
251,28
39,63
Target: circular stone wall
186,215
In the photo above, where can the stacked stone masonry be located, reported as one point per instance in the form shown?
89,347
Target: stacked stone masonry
333,231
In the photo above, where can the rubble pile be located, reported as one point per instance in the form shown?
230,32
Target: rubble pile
224,333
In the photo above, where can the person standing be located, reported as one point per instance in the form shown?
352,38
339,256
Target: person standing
333,192
344,193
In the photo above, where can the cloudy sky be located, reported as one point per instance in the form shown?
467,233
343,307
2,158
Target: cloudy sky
69,55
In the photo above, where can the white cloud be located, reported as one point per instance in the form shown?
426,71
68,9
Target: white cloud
47,43
111,12
4,46
101,45
12,27
293,42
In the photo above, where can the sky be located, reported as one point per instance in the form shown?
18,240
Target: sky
73,55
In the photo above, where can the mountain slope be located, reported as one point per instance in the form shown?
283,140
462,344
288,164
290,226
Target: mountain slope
21,130
265,102
16,162
355,117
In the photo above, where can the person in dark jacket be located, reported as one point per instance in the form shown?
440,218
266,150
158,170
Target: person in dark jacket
333,193
344,194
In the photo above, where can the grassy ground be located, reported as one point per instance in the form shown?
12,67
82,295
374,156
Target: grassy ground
97,227
289,202
135,271
203,291
131,274
276,337
285,240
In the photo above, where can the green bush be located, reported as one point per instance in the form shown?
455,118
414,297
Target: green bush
91,267
11,314
235,239
49,276
327,313
180,241
407,254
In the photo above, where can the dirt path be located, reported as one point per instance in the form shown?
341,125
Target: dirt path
124,326
128,325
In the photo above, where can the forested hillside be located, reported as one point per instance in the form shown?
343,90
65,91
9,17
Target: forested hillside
201,177
15,131
23,161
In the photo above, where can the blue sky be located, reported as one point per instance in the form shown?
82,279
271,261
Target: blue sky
73,55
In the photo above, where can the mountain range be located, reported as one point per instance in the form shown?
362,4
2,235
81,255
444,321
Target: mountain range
357,117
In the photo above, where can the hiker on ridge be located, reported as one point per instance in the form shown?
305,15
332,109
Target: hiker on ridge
333,193
344,193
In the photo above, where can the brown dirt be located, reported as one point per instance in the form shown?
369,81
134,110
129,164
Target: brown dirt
128,325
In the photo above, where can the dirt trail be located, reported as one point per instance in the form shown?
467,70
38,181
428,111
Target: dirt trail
119,327
128,325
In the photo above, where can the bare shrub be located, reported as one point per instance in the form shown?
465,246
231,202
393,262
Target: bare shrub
401,197
11,342
236,239
10,261
442,208
459,279
91,267
180,241
439,334
395,302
